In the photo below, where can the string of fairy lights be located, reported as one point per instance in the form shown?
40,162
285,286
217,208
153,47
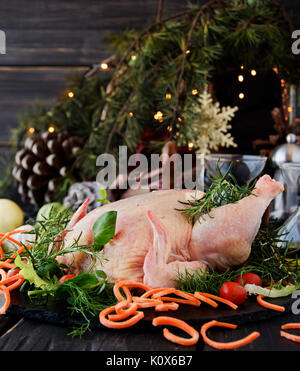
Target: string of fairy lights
159,116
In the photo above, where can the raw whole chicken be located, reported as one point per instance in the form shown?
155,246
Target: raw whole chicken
154,241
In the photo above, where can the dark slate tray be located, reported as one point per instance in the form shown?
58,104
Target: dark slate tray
59,314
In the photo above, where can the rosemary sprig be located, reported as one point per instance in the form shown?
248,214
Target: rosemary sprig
224,189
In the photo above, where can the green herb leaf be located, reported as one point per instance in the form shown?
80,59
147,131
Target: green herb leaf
104,228
29,274
84,281
103,195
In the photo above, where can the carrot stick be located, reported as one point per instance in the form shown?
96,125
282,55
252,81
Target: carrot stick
292,337
205,299
7,265
7,299
290,325
146,302
228,345
188,296
166,306
268,305
170,321
116,289
3,274
152,291
163,292
295,338
220,299
18,277
118,325
188,299
135,284
11,240
180,301
8,234
132,308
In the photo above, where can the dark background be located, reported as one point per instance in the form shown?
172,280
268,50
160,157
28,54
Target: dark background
46,39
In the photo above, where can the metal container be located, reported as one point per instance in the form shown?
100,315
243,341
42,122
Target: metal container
287,152
282,206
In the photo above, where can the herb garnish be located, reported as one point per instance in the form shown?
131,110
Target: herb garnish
224,189
85,294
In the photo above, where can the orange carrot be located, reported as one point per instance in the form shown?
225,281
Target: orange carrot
120,284
188,296
120,324
228,345
180,301
163,292
135,284
220,299
268,305
170,321
11,240
7,265
7,299
166,306
205,299
18,278
146,302
4,237
132,308
290,325
292,337
188,299
152,291
3,274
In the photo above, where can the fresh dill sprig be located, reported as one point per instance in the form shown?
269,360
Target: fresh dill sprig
224,189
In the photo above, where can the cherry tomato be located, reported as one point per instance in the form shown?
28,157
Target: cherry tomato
234,292
66,278
249,278
13,272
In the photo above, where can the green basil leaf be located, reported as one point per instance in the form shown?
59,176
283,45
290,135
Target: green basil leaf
104,228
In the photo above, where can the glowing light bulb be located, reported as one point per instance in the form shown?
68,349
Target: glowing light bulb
70,94
168,96
187,52
241,95
241,78
31,130
158,116
253,72
289,109
104,66
190,145
194,91
133,57
131,114
51,129
242,67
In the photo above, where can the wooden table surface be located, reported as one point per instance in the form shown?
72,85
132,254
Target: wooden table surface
24,334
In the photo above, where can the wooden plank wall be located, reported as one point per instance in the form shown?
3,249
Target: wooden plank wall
46,39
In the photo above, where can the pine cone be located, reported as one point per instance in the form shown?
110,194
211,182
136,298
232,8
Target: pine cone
81,191
39,166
